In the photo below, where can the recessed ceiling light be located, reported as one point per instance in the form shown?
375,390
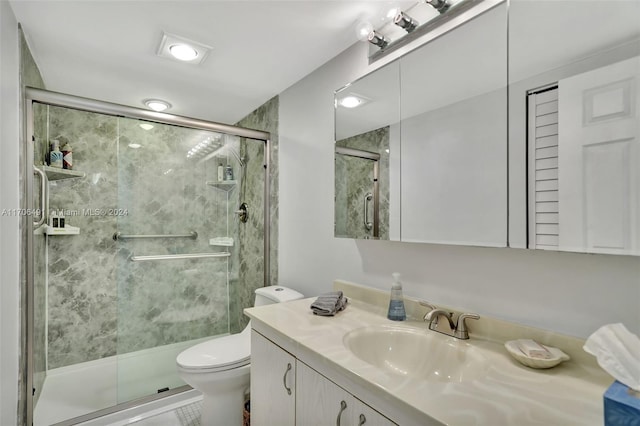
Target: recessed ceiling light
176,47
183,52
135,145
352,101
157,104
146,126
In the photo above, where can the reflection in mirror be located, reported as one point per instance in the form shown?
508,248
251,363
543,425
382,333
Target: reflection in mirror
358,186
574,126
366,159
453,127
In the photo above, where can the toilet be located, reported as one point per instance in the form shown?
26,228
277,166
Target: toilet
219,368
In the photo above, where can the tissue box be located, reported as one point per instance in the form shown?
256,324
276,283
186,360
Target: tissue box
621,406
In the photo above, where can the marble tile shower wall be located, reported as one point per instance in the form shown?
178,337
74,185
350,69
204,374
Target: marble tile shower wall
354,178
100,302
251,234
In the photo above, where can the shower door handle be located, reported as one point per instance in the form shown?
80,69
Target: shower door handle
367,198
43,196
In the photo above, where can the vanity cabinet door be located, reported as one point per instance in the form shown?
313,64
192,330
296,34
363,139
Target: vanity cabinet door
320,402
273,383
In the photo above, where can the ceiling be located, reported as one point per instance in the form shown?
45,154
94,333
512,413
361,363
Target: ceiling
106,49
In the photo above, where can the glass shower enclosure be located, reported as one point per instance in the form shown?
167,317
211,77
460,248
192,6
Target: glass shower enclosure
138,249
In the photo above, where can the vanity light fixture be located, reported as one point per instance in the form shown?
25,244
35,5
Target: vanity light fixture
405,21
378,39
439,5
363,29
157,104
176,47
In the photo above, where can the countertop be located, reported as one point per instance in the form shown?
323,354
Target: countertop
507,393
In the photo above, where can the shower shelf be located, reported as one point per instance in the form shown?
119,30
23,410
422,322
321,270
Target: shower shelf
225,185
67,230
55,173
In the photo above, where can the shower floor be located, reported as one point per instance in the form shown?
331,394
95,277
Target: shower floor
80,389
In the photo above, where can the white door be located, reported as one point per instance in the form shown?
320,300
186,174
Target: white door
599,160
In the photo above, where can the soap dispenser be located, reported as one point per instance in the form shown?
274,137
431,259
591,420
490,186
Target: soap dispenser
396,302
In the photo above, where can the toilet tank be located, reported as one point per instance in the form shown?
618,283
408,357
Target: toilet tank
275,294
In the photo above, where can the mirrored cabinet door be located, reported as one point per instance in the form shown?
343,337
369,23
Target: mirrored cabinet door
454,136
574,126
367,162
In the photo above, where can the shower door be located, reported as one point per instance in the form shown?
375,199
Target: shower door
357,213
162,247
177,242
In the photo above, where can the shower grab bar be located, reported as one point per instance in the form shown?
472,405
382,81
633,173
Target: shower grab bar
367,224
180,256
119,236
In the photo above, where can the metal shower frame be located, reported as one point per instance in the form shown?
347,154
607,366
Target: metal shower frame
32,96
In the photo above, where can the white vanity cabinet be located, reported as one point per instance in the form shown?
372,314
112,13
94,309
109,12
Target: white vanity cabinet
285,391
273,384
320,402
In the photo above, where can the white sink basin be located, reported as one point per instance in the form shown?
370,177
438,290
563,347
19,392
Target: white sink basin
415,353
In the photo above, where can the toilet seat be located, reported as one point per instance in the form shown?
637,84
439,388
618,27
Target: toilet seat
221,354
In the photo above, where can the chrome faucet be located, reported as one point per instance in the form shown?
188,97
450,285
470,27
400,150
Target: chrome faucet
461,331
458,330
433,315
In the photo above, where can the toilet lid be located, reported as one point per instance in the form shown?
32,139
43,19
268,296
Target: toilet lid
228,351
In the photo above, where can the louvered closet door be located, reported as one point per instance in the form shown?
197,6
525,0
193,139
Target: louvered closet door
543,170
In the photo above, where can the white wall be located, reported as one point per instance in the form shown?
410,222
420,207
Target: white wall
566,292
9,224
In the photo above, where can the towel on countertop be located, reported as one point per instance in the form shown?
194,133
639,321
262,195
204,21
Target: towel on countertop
329,304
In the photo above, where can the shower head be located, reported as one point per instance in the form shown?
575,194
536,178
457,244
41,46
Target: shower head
235,155
226,149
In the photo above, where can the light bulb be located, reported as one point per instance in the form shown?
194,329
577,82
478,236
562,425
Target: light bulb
183,52
157,104
392,13
363,29
350,102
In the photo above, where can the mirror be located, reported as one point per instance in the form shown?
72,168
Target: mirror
437,127
367,156
454,139
574,155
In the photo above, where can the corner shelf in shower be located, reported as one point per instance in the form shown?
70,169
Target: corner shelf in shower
55,173
67,230
225,185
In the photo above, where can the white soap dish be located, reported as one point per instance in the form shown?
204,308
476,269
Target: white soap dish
557,356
